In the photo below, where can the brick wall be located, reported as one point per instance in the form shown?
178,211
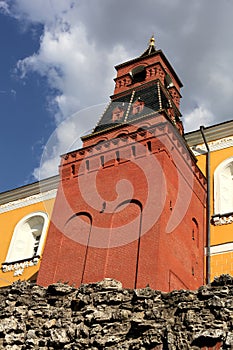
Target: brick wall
114,206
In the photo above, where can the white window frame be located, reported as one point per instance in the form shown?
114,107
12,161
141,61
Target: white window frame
218,200
10,254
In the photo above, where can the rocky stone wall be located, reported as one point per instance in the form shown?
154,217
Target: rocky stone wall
105,316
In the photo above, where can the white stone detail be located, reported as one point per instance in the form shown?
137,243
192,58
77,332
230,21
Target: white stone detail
18,272
20,203
222,220
221,248
213,145
18,267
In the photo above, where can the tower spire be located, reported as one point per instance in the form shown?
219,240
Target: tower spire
151,47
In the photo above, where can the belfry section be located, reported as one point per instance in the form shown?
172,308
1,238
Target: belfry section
131,201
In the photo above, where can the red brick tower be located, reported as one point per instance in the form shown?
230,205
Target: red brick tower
131,202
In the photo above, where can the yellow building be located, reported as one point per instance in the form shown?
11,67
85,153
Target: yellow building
213,147
24,218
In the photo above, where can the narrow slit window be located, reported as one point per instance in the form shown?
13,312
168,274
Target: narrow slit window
193,235
195,231
117,156
134,151
102,160
149,146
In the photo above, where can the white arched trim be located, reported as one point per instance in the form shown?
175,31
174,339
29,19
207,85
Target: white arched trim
223,187
28,237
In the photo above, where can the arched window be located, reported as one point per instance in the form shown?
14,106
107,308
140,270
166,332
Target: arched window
78,229
122,136
138,74
223,187
125,233
28,237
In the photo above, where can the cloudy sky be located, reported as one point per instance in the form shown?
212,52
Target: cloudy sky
57,69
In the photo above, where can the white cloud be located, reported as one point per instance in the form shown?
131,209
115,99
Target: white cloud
65,138
78,73
41,11
83,40
73,65
4,8
197,117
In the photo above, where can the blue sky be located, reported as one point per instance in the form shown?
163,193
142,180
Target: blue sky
57,59
25,121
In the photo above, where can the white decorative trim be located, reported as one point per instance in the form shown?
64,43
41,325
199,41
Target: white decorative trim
221,248
129,106
213,145
222,220
92,131
18,267
20,203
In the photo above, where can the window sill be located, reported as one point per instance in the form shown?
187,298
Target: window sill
18,266
222,219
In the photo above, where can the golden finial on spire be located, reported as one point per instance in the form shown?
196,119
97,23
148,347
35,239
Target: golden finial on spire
152,41
151,47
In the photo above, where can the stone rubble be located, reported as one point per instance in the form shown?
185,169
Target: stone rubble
103,315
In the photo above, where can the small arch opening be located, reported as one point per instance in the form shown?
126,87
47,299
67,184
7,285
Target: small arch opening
138,74
122,136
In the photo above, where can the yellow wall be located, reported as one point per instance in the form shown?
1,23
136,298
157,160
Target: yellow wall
8,221
222,262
